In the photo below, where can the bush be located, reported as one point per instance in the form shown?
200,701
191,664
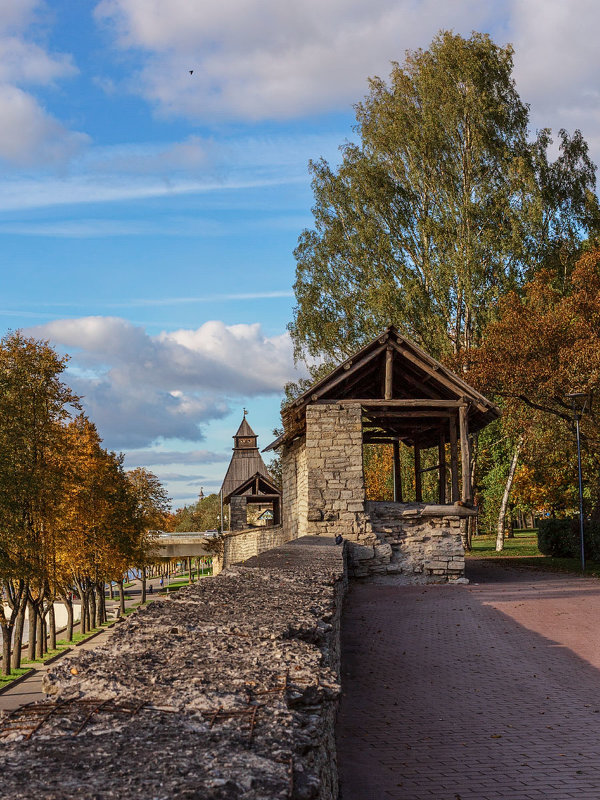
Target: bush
561,538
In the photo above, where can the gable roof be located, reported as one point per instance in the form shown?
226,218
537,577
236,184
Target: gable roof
413,375
255,485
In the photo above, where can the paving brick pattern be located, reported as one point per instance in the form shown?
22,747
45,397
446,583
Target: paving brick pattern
475,692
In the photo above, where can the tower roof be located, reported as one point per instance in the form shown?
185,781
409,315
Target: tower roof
246,461
244,429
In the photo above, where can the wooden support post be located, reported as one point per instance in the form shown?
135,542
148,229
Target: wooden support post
418,481
442,462
454,460
397,473
465,453
389,372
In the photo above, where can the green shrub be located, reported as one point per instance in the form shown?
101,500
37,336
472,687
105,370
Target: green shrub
561,538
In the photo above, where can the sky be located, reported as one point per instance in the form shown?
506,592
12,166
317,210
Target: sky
154,182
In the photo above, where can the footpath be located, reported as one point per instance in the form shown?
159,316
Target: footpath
489,691
29,689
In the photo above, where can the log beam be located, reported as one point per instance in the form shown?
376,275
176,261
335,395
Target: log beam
465,454
418,481
389,372
442,465
397,473
454,461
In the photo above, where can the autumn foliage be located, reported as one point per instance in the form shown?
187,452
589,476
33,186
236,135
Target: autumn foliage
544,345
71,518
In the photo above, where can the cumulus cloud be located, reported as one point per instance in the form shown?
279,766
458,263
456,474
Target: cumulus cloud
556,62
266,58
29,134
139,388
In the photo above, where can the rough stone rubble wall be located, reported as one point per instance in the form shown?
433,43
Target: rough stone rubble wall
411,539
383,537
259,643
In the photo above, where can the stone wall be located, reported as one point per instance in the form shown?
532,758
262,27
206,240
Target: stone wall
237,546
334,463
237,511
417,539
295,488
188,699
324,495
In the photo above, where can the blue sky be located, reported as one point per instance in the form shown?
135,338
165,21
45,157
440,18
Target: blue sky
148,216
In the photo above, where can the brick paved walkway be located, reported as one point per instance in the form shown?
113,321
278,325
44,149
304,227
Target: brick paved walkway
475,692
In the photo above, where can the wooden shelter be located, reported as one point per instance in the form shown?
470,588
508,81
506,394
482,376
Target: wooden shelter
406,397
247,479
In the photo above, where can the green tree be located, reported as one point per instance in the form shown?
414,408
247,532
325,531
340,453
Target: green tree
442,206
204,515
151,506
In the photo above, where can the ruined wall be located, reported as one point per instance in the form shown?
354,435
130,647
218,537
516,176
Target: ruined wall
295,488
189,700
412,538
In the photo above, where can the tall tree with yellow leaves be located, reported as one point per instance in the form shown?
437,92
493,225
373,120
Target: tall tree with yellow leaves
34,404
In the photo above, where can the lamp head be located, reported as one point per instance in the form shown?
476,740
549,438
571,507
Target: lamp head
579,401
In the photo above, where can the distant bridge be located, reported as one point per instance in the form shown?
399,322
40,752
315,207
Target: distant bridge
185,544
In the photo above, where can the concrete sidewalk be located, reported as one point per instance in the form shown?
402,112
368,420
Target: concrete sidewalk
482,692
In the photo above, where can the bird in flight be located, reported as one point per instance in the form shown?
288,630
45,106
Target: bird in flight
191,72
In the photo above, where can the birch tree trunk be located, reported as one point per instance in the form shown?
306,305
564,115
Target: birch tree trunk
506,495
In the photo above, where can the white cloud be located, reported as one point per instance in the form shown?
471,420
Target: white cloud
29,134
24,62
193,166
557,63
41,193
257,59
139,388
266,58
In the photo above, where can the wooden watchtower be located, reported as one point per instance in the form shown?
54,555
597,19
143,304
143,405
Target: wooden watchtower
247,480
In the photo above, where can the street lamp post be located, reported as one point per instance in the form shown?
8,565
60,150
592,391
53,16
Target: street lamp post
578,404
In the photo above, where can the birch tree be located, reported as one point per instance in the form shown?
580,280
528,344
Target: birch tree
442,206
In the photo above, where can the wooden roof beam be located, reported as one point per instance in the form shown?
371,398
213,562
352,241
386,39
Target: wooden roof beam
458,386
344,374
369,402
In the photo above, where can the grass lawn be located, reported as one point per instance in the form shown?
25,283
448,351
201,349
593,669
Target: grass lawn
522,550
16,673
182,580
